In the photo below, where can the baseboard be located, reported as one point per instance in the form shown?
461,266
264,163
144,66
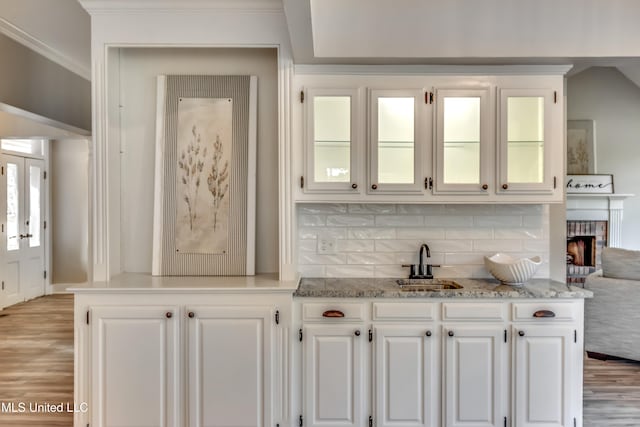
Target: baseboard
62,288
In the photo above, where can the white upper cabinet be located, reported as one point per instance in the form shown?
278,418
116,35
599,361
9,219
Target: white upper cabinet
526,141
478,135
333,140
462,143
396,140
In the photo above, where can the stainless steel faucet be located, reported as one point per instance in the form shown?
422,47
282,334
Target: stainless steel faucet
422,270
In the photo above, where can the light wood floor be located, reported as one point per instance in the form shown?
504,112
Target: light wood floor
36,359
36,365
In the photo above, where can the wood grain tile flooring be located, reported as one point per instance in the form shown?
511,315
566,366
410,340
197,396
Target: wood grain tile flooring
36,365
36,360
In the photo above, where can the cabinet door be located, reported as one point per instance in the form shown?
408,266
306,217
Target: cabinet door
397,137
527,138
229,366
475,370
333,375
334,146
405,376
544,356
462,147
135,360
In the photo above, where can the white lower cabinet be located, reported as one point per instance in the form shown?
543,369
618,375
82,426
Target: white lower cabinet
201,361
544,363
475,366
441,364
404,376
333,373
229,366
135,360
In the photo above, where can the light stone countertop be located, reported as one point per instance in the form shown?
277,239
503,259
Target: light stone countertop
471,288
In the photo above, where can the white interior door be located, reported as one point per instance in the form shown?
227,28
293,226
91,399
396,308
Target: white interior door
22,218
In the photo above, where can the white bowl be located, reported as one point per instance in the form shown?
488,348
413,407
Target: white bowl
510,270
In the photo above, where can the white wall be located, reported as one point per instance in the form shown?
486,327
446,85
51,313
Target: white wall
138,70
69,172
608,97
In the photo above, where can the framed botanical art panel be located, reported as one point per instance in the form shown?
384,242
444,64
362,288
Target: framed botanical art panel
581,147
204,210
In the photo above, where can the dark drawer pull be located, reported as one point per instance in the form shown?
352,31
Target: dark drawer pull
544,313
333,313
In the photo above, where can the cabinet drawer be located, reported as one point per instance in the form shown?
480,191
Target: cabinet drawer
403,311
473,311
554,311
333,311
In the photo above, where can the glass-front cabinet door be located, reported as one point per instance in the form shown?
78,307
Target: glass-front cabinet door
525,142
333,147
396,138
462,147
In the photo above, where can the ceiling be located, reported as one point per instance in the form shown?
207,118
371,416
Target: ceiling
579,32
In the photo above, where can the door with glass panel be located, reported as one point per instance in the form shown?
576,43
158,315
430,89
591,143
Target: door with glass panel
333,147
23,229
462,148
396,140
525,142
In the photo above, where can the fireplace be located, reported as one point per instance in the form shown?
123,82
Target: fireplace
585,240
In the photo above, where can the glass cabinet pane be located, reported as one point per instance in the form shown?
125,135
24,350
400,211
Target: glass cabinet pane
525,139
461,139
396,140
332,138
13,206
34,205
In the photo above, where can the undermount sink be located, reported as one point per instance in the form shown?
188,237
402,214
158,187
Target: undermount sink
427,285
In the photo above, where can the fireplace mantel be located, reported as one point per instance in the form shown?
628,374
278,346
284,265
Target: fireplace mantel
599,207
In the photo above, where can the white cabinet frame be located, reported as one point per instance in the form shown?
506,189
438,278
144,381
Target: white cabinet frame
486,120
547,186
356,146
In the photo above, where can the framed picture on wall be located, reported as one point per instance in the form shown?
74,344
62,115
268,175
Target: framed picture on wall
581,147
589,184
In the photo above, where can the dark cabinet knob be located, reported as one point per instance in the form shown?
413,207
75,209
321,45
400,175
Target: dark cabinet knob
357,333
169,315
354,185
485,186
505,186
428,333
450,333
191,315
521,333
544,313
374,186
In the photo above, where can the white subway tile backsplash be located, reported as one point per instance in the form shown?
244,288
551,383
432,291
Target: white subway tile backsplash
399,221
370,258
502,245
420,209
498,221
428,233
468,233
354,246
350,220
313,258
312,220
518,233
397,245
365,208
448,221
322,208
349,271
376,239
372,233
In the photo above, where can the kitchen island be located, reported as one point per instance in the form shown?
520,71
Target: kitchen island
199,351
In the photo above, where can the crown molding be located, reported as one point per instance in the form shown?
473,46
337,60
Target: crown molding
95,7
431,69
42,48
